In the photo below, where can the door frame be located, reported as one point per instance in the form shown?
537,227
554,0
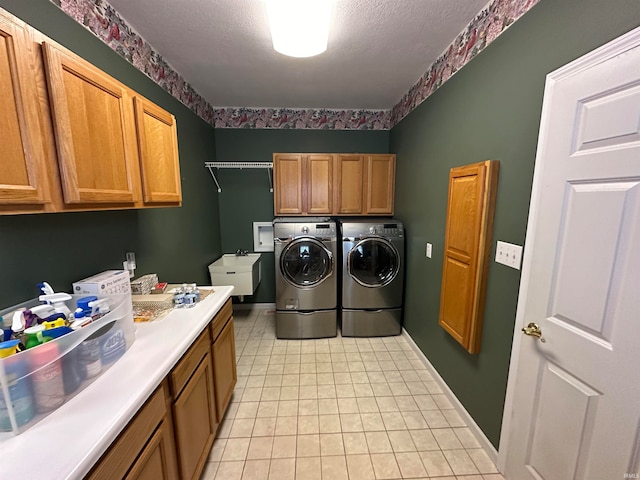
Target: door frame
606,52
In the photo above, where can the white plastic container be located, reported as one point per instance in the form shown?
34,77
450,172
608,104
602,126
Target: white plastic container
25,367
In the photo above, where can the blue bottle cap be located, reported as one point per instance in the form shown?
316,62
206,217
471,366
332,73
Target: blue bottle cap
8,348
83,302
57,332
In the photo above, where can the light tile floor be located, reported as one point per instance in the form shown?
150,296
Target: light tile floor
338,409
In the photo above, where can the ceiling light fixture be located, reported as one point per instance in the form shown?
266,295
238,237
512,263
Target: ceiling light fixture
299,28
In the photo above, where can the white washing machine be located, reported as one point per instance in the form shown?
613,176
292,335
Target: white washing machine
372,277
306,280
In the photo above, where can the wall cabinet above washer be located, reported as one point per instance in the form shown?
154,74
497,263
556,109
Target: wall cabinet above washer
303,183
80,139
333,184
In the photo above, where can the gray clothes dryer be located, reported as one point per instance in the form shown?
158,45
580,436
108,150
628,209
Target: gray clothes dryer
306,281
372,277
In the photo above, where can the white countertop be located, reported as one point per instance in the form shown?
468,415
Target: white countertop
69,441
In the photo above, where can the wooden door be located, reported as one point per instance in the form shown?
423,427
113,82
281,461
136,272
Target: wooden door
572,403
158,151
95,131
157,461
349,199
224,367
379,184
319,182
22,168
195,421
287,188
467,243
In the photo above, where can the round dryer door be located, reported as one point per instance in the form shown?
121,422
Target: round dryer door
373,262
306,262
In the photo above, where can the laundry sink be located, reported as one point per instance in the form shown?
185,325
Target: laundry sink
241,271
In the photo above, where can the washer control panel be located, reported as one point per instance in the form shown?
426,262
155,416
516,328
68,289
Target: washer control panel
289,230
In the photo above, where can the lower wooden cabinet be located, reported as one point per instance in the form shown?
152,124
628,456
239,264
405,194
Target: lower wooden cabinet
145,449
154,461
195,420
171,436
224,358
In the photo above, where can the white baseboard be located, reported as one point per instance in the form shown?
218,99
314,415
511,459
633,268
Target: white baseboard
473,426
254,306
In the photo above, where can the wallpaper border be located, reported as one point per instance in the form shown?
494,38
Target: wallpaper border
101,19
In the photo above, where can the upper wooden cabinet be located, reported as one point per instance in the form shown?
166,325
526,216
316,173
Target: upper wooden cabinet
365,184
333,184
158,150
95,131
319,184
22,172
287,184
349,197
73,137
472,193
379,184
303,184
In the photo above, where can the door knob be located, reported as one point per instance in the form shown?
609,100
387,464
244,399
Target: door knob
533,330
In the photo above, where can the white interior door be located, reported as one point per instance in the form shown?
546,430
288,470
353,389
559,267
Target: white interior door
573,401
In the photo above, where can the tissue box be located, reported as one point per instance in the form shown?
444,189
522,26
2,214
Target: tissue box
105,283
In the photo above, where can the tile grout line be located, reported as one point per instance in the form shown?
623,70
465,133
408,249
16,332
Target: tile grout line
369,348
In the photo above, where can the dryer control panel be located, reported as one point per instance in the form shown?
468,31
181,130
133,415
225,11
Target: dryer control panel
361,229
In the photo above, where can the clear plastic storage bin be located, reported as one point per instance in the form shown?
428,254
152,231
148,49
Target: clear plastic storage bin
37,381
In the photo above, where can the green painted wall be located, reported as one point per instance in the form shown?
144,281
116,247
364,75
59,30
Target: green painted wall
176,243
488,110
245,196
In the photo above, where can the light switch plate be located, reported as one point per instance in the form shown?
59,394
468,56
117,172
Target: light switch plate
428,250
509,254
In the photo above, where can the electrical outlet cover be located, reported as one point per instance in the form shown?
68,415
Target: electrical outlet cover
509,254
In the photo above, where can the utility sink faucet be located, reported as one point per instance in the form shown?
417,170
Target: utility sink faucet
242,253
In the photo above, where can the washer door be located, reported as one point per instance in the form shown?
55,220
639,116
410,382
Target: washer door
373,262
306,262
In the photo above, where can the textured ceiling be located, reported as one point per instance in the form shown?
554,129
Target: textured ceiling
377,50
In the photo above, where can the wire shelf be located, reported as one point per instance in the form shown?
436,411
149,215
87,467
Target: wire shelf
239,165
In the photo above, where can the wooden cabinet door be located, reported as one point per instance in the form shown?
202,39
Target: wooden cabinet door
195,421
22,170
379,184
319,182
472,191
158,151
95,131
287,188
349,177
224,367
157,461
144,448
